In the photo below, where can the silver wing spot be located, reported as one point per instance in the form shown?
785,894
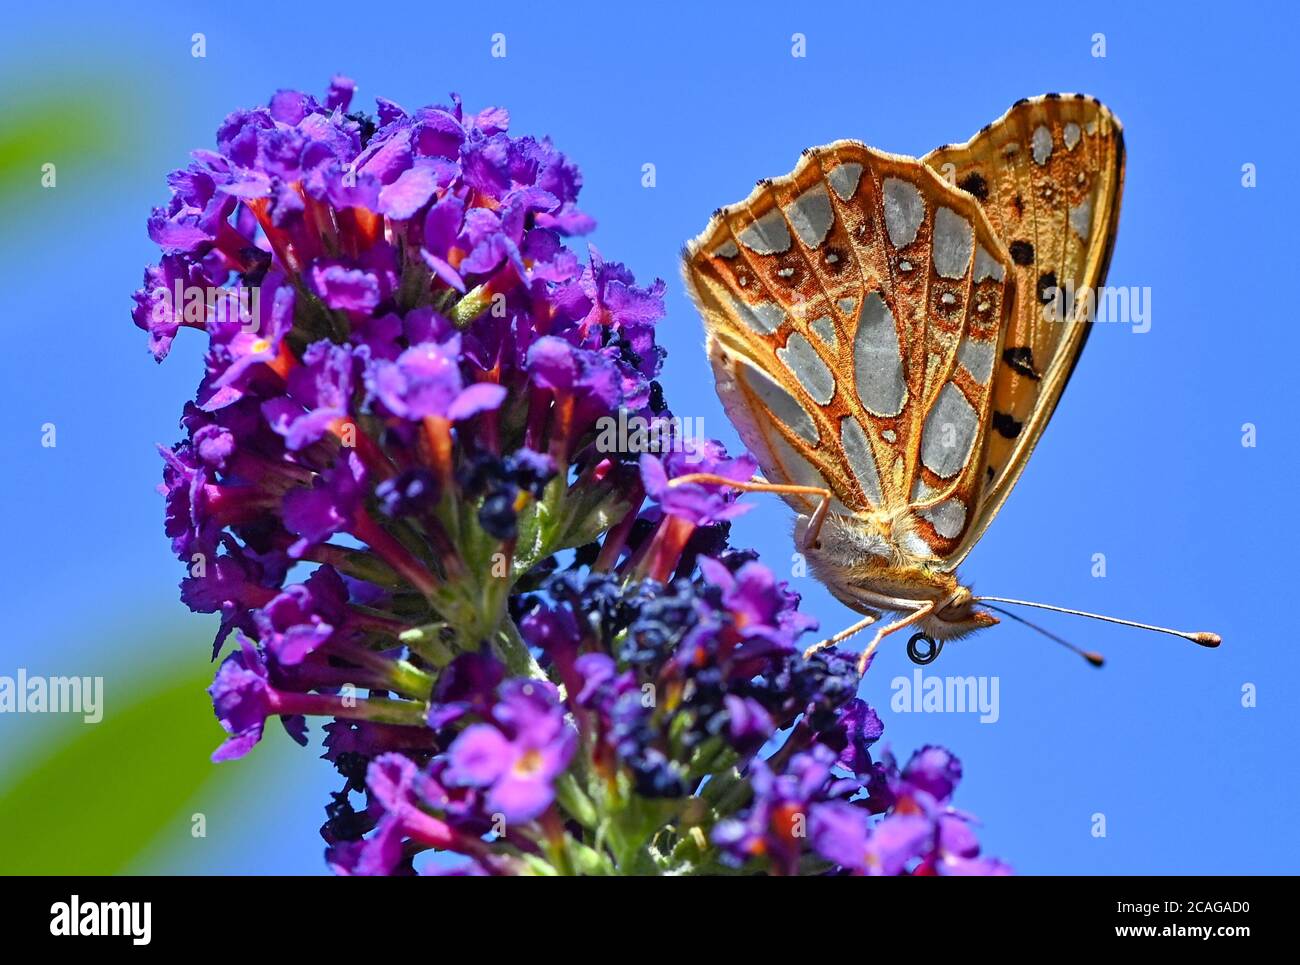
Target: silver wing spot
1041,144
808,368
782,404
811,216
844,179
904,211
953,236
949,433
858,450
877,360
764,318
1081,218
768,235
948,518
824,329
977,357
986,266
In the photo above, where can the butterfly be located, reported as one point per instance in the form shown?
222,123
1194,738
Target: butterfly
890,336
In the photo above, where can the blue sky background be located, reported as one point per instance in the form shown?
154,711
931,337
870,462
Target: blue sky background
1143,462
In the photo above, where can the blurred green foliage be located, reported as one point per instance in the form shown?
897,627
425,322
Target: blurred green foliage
74,126
117,796
96,795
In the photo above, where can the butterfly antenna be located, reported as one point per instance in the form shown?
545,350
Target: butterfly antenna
1202,638
1091,656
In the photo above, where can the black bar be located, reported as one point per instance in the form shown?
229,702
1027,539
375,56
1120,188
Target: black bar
299,914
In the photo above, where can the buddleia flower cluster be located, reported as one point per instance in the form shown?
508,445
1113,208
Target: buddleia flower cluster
532,653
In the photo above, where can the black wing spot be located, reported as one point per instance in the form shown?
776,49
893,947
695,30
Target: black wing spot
1022,252
1005,425
989,470
975,184
1019,202
1047,287
1021,358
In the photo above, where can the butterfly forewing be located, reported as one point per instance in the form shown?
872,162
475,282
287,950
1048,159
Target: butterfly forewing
855,310
1048,175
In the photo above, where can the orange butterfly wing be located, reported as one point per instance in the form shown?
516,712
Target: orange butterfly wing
1049,175
854,310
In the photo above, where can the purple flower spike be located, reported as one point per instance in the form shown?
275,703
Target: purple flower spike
531,644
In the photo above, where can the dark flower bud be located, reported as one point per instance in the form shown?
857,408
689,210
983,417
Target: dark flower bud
497,514
481,472
657,402
530,470
411,492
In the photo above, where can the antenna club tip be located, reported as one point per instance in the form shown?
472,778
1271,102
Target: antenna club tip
1094,658
1207,639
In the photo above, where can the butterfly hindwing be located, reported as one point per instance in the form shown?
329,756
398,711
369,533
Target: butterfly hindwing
854,311
1049,175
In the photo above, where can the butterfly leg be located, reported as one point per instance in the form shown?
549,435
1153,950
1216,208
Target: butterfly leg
760,485
843,635
916,616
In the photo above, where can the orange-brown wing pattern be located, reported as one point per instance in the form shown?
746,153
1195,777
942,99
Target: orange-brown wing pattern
854,311
1048,175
